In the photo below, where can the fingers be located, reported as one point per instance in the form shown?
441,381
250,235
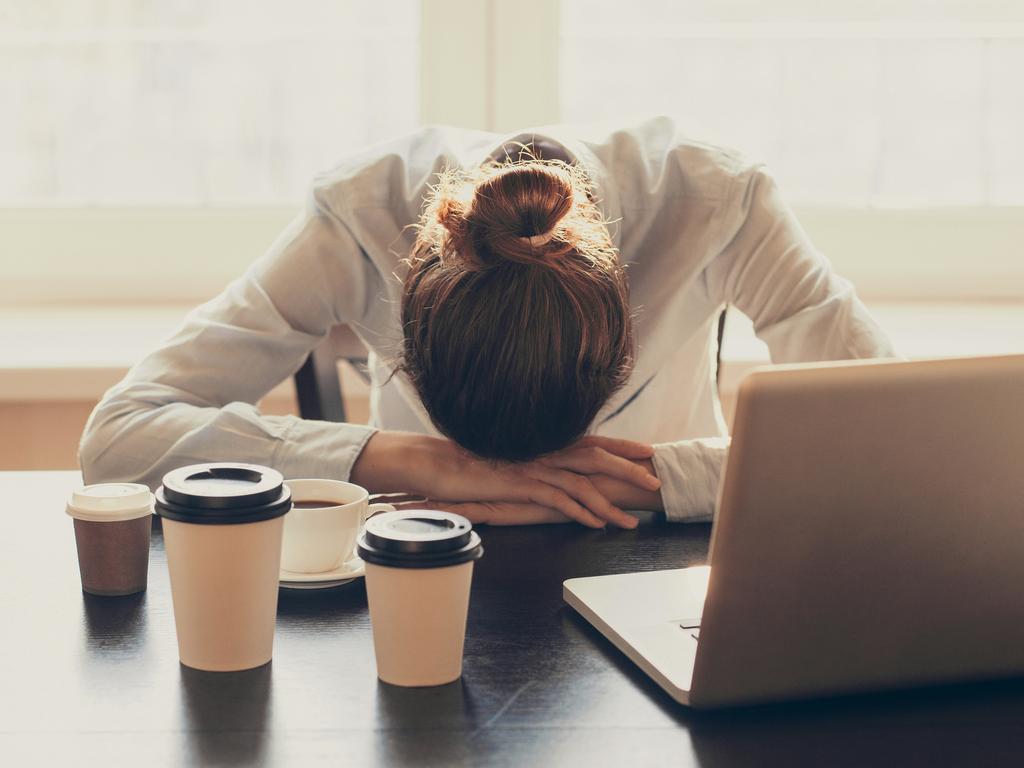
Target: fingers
581,491
560,486
549,495
593,460
627,449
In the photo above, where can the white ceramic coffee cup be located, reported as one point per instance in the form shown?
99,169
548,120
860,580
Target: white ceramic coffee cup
319,540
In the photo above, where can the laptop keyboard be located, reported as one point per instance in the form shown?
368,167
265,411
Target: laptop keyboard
692,626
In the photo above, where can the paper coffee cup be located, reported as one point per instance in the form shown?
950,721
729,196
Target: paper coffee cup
112,524
419,567
222,532
321,539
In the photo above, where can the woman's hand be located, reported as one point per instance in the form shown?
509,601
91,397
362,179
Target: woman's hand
627,495
560,482
619,492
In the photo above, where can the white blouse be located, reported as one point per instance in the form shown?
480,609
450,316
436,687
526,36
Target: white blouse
698,227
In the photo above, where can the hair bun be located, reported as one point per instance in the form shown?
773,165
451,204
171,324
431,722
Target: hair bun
514,215
535,213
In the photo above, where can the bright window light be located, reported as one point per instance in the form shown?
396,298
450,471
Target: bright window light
895,103
184,102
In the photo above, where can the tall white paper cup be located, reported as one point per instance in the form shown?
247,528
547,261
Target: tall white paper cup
419,568
222,528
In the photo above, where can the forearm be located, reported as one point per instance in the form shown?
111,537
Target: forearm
399,462
139,432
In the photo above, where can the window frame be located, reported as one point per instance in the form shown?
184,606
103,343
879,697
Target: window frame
491,76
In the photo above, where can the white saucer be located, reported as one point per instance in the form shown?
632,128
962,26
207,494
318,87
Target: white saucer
343,574
314,585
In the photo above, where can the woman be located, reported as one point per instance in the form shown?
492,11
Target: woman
540,312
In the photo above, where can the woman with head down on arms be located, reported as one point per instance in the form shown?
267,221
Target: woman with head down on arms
540,314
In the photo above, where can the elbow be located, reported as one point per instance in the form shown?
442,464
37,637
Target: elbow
95,454
104,452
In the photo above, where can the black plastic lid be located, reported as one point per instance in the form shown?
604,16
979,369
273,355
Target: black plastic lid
223,494
419,538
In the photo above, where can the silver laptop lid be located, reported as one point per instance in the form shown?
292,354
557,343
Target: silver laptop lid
870,531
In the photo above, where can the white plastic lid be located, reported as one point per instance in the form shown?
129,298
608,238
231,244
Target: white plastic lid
110,502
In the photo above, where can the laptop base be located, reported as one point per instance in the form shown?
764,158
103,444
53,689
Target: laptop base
650,617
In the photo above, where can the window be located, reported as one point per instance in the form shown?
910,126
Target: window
879,103
153,148
184,102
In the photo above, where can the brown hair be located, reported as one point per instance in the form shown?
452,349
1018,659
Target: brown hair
515,309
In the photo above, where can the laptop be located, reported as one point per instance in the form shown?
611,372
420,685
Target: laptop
869,534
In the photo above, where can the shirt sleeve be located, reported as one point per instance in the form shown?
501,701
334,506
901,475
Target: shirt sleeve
689,471
769,270
193,399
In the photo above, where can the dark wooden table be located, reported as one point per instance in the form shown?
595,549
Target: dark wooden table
87,681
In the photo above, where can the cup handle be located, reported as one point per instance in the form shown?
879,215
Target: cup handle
374,509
